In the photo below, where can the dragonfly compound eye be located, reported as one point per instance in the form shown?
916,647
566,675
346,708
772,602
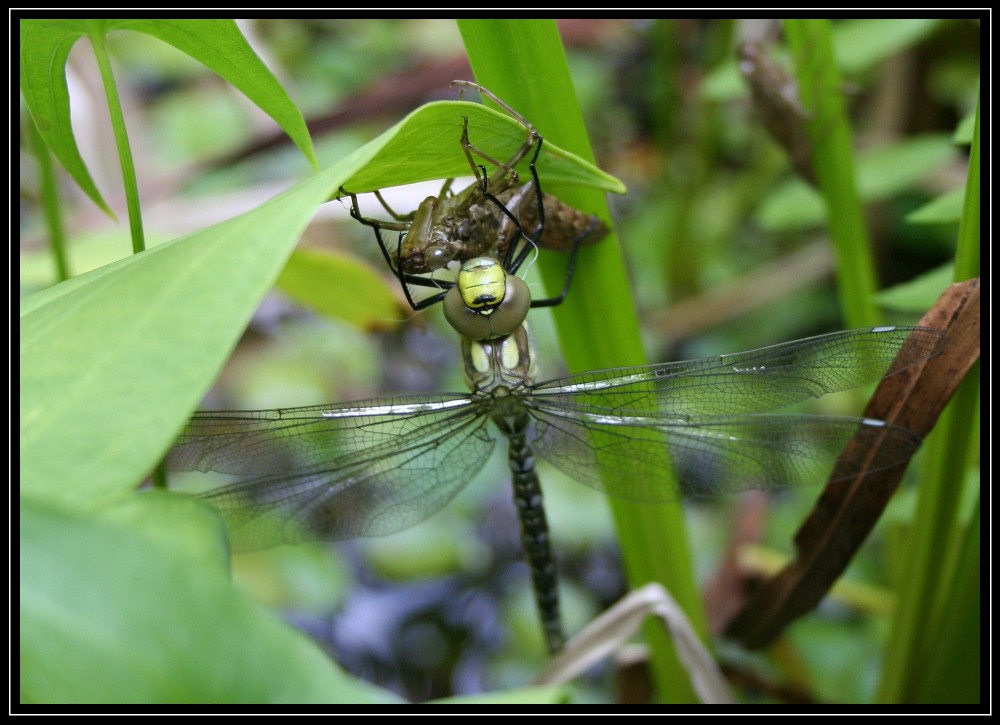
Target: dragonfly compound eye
487,302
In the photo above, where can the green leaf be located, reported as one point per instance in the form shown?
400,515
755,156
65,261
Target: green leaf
862,44
45,45
953,674
342,287
918,295
113,361
891,169
945,209
965,129
134,605
425,146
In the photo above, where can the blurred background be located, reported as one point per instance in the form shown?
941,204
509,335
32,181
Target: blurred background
725,247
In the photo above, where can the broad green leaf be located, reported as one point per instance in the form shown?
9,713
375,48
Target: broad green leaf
113,361
134,605
425,146
343,287
45,45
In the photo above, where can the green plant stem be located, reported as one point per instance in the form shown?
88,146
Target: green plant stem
504,53
97,37
49,193
131,186
968,253
937,535
811,45
952,674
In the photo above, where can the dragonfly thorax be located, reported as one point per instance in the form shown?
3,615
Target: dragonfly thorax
501,365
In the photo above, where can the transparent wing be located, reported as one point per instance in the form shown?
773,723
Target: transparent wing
716,456
615,430
336,471
745,382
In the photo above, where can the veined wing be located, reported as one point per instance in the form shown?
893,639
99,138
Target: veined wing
612,429
336,471
744,382
626,455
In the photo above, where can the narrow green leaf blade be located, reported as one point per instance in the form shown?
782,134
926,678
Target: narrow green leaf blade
45,45
945,209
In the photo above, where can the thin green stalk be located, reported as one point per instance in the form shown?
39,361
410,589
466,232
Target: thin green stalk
937,535
49,193
967,255
953,674
811,45
131,186
524,63
121,138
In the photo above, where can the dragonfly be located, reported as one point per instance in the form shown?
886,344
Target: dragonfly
375,467
486,219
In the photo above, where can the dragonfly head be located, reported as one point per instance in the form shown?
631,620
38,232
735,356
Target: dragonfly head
486,302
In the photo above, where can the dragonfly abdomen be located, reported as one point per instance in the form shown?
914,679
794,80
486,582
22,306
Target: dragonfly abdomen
534,527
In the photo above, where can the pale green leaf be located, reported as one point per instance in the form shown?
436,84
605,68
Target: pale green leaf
44,47
133,605
342,287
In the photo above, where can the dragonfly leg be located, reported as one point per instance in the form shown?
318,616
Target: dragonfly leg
570,268
402,223
402,226
513,263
